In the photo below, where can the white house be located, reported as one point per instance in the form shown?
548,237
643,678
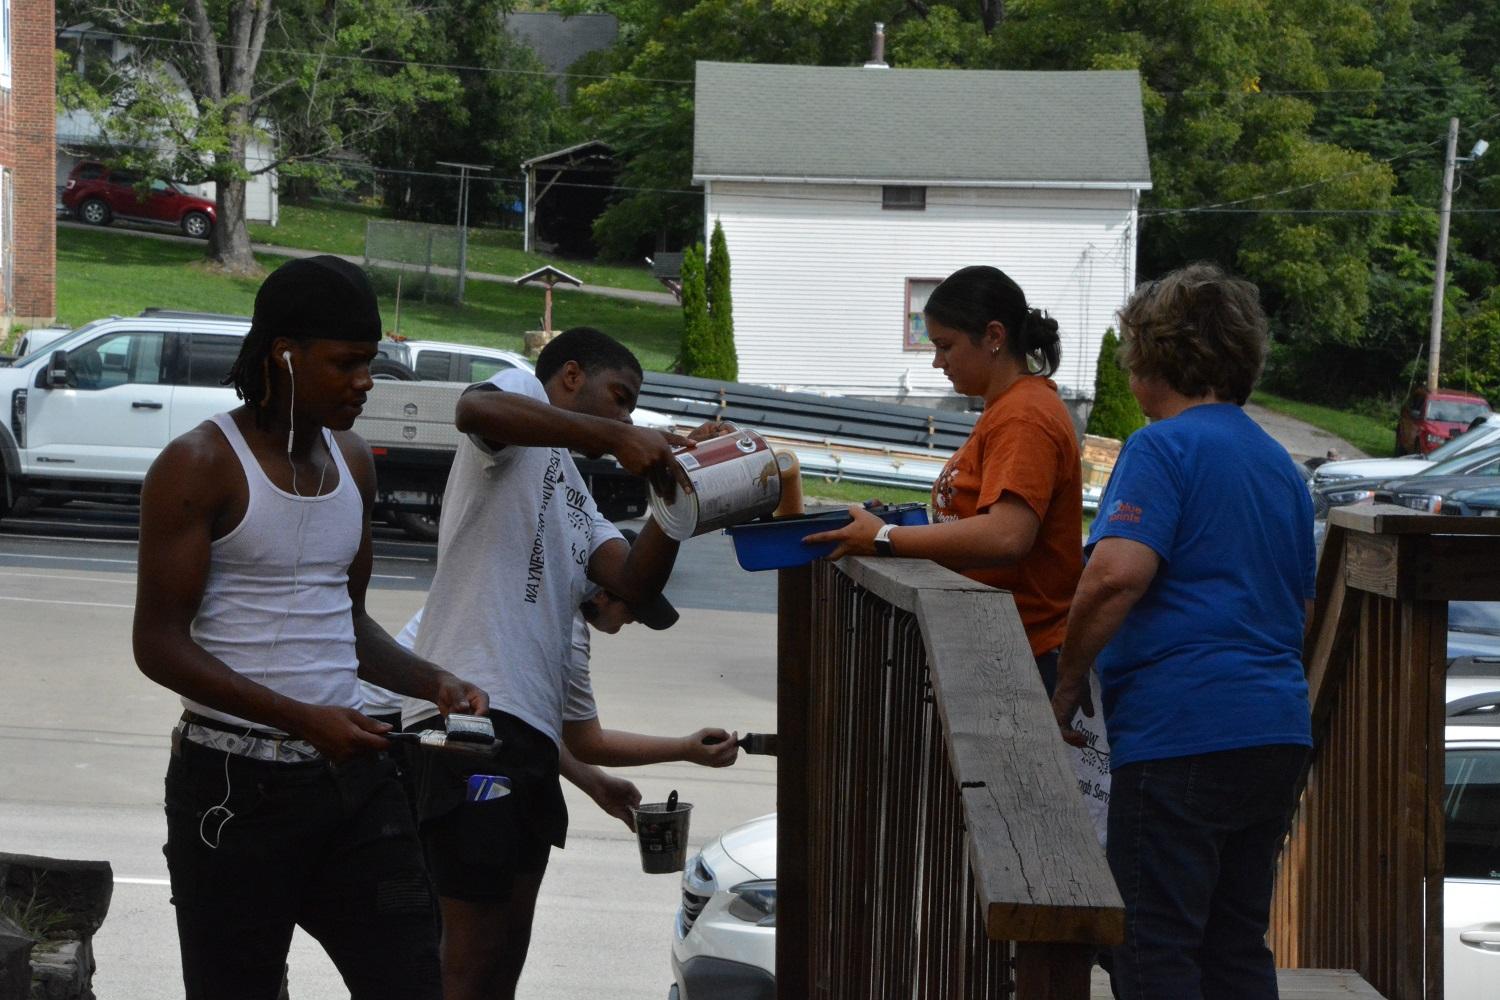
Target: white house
847,194
80,136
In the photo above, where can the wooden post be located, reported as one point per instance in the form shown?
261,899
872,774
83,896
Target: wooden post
1049,971
547,308
793,829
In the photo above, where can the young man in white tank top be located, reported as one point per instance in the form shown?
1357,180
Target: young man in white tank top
282,807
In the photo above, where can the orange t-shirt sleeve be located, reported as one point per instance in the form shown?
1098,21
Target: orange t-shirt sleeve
1020,458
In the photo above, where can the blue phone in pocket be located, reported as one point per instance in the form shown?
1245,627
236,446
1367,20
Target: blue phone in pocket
487,787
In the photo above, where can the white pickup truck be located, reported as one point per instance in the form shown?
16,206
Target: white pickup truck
86,411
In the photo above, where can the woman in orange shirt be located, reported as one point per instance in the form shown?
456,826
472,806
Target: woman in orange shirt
1008,506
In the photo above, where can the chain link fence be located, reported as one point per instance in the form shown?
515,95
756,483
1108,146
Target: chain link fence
424,257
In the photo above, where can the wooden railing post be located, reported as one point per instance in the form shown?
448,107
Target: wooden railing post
794,898
932,844
1361,881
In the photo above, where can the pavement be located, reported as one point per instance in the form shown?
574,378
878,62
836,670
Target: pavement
1301,439
83,737
624,294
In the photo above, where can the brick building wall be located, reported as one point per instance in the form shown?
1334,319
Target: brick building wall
28,151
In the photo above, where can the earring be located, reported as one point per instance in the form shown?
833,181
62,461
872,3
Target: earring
994,352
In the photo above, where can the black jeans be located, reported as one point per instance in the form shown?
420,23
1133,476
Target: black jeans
1193,843
331,849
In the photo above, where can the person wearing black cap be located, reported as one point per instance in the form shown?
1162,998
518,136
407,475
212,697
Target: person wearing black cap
282,808
521,543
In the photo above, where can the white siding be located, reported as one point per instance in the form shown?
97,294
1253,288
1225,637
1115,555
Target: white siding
819,275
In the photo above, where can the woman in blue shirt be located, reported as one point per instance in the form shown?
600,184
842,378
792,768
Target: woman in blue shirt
1192,608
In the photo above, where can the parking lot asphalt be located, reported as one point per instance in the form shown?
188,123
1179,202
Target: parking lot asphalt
84,739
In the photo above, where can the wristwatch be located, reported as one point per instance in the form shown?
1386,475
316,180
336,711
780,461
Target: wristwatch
883,540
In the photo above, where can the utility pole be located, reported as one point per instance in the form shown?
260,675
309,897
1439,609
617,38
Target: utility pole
1435,346
462,224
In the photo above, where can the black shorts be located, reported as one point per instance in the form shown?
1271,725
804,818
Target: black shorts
476,850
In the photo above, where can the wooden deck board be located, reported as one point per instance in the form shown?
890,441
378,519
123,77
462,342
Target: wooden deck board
1295,984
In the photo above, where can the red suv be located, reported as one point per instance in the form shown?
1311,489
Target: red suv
98,194
1430,419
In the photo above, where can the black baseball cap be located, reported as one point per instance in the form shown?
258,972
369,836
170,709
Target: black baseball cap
322,298
653,612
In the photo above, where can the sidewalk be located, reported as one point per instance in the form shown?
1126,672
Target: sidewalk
625,294
1302,440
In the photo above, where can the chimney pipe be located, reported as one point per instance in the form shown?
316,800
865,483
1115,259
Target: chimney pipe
877,49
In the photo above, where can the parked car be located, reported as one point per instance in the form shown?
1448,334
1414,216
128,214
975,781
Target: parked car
724,941
724,938
1471,809
1472,469
1486,432
98,194
85,412
1430,419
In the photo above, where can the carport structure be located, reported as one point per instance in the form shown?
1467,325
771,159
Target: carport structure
932,842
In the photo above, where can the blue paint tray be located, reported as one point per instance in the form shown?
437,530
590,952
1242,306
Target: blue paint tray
776,543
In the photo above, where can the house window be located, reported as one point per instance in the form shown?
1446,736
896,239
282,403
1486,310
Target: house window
917,291
904,199
5,44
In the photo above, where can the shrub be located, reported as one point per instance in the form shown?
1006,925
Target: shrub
1115,413
726,363
697,329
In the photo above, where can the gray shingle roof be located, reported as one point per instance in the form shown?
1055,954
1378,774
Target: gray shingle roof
916,125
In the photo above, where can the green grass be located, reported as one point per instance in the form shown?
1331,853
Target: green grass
816,489
1370,435
109,272
340,228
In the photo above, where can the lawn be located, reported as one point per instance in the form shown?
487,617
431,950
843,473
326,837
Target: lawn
340,228
110,272
1370,435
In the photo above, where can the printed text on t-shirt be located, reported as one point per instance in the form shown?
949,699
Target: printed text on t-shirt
538,562
1124,513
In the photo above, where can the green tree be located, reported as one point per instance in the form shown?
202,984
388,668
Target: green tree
200,79
697,356
721,307
501,108
1115,413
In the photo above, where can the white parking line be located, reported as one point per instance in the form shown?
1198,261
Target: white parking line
102,578
74,541
123,880
74,604
97,559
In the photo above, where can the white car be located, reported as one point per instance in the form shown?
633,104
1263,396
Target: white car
1471,806
724,947
440,361
1411,465
724,942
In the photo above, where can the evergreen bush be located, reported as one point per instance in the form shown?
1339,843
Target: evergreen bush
726,362
697,327
1115,413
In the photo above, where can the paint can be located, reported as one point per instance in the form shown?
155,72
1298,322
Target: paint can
730,479
661,830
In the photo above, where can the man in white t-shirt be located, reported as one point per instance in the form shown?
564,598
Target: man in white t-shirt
520,545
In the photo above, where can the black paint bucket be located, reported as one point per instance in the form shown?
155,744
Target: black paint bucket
661,829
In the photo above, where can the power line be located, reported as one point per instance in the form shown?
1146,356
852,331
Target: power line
682,81
379,61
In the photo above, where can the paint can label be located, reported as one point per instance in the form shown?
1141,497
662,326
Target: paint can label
734,479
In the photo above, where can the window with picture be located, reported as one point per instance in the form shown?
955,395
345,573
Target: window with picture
917,291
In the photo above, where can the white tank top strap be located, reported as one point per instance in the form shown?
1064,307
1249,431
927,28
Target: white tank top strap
256,475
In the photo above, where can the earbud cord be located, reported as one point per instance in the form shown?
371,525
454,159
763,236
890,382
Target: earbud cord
222,808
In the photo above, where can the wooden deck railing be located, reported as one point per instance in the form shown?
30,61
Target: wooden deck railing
932,841
1361,880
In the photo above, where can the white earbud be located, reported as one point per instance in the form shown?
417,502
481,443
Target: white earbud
291,415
